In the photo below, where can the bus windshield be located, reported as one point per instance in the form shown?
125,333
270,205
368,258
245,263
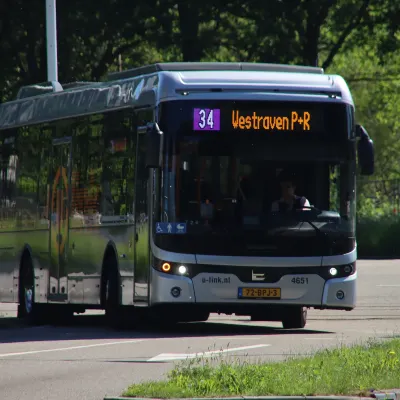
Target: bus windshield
226,198
221,199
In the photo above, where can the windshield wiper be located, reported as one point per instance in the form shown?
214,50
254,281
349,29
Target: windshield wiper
302,219
318,230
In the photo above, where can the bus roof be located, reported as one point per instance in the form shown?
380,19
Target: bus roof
148,85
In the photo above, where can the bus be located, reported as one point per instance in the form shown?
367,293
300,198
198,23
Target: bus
151,194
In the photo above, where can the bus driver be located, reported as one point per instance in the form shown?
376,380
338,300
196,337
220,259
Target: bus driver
289,200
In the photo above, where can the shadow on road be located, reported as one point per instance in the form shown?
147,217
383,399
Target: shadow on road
94,327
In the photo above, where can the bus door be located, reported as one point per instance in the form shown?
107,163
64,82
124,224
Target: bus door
142,249
59,199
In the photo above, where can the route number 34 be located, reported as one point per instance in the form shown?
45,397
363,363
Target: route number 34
206,119
300,281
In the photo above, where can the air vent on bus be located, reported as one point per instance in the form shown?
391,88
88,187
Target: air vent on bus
48,87
73,85
38,89
283,90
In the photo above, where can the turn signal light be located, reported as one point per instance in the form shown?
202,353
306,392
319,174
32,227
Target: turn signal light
166,267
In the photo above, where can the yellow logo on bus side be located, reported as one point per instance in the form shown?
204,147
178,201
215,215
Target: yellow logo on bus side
59,206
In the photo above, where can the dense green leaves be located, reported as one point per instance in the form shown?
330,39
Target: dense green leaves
92,35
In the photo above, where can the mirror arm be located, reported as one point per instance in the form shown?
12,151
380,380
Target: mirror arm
149,127
362,133
156,128
365,150
154,138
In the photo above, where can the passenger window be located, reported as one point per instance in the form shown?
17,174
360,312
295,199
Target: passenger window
103,170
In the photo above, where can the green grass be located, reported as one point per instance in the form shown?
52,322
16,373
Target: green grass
339,371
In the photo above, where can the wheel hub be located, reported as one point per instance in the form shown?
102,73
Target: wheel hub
28,300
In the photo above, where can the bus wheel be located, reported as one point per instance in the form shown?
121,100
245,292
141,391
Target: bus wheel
117,316
295,318
28,311
111,298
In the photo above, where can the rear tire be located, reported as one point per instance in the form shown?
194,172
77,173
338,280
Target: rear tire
295,318
28,310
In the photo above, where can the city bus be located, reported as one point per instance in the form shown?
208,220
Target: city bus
151,194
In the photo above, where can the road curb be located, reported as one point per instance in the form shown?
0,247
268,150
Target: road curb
249,398
376,395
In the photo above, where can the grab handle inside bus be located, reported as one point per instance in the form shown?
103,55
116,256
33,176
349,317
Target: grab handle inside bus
365,149
154,138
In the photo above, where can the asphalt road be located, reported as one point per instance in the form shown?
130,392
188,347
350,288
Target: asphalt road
87,361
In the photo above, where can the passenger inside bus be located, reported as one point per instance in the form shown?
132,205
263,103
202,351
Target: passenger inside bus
289,200
228,191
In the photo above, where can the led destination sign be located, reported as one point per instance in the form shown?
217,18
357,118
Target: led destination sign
268,120
295,120
275,121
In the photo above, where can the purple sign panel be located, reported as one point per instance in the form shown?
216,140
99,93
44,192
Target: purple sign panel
206,119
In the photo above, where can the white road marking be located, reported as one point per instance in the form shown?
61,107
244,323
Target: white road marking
183,356
368,332
23,353
388,285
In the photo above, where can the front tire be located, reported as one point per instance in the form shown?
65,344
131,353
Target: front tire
117,316
295,318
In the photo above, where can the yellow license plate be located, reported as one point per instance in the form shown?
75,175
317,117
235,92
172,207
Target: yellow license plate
259,293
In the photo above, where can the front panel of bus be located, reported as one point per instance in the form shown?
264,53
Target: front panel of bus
219,179
219,176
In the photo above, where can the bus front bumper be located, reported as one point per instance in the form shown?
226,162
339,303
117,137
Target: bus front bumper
214,290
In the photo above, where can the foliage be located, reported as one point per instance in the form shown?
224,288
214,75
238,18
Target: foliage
378,237
339,371
91,36
358,39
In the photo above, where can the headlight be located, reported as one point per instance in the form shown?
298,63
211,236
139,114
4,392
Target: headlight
171,268
339,271
182,269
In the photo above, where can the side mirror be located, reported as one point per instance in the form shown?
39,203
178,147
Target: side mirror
154,138
365,148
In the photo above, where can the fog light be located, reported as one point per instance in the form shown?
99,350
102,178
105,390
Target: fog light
182,270
333,271
340,295
348,269
176,291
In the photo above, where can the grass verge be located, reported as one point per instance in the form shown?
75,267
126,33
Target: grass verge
339,371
